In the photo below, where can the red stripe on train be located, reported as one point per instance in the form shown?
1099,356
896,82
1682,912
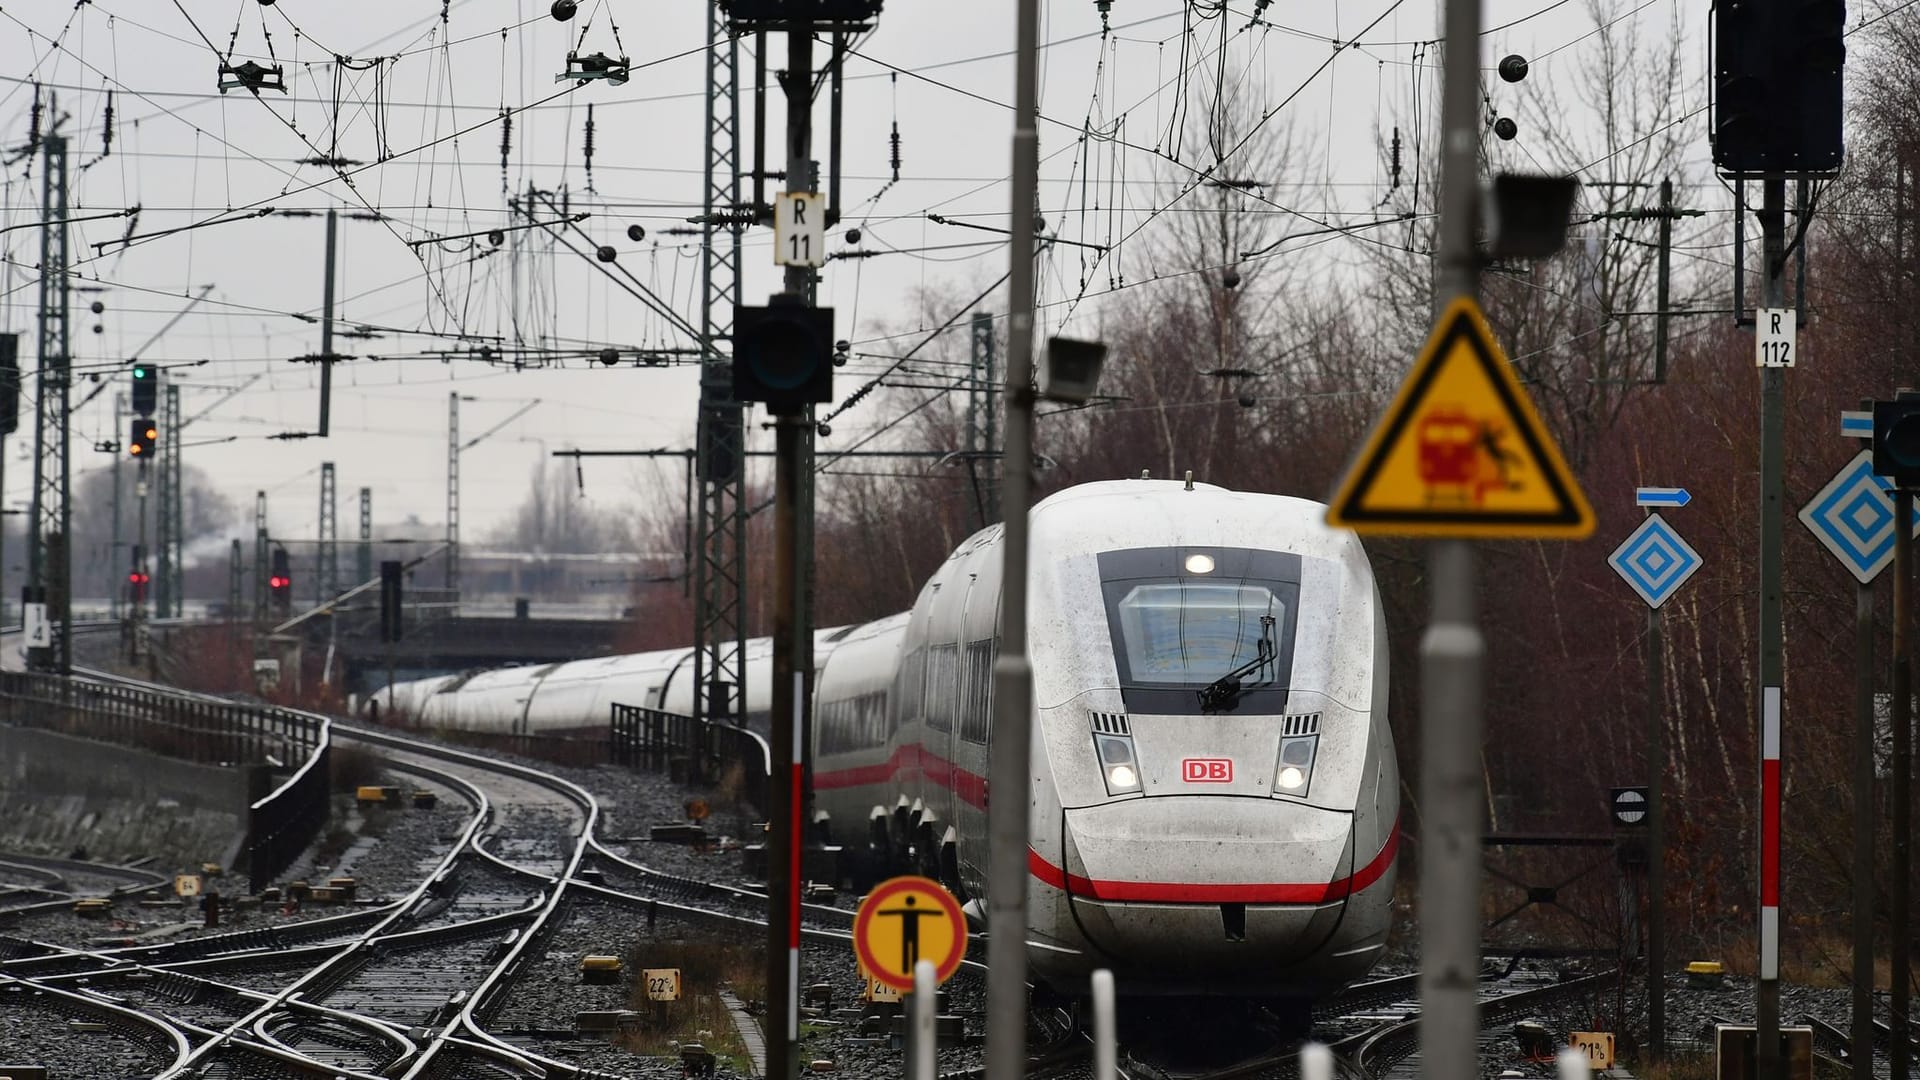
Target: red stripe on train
971,787
1218,893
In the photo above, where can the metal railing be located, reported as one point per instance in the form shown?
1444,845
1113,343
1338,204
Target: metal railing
692,751
207,731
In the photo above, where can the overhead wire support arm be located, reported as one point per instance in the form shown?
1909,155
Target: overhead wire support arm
632,284
498,229
495,429
127,240
128,212
940,220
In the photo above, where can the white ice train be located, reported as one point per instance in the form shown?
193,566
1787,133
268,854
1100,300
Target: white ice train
1215,804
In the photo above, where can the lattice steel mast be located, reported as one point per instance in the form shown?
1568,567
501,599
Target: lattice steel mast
170,587
719,603
363,557
983,419
49,562
453,497
260,597
329,569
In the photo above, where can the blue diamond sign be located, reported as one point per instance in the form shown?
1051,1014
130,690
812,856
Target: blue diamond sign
1853,517
1654,560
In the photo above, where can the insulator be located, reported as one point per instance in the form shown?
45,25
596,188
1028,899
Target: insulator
589,148
1396,157
506,137
106,128
895,140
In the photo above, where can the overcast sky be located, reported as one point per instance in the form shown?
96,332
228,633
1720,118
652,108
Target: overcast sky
185,153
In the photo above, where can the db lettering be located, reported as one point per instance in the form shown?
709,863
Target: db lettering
1207,770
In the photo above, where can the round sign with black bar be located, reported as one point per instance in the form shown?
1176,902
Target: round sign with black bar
1629,806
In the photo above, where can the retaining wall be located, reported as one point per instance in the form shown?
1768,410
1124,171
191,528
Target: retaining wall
59,792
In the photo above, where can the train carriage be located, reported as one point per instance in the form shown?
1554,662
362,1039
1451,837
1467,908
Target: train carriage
1215,799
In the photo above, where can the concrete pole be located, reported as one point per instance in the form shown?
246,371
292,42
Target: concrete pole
1863,817
1663,278
326,330
791,647
1010,760
1656,835
1902,780
1863,823
1452,651
1773,202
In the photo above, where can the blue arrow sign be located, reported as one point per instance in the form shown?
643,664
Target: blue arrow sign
1655,561
1853,518
1661,497
1856,425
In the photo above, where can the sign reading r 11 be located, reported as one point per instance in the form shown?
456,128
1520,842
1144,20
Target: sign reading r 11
800,229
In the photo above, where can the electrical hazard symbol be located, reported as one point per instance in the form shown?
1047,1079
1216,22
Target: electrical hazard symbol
905,920
1461,451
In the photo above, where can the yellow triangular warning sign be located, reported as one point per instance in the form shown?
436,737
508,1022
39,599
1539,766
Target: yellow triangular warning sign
1461,451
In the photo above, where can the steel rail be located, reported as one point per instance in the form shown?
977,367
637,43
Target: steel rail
94,1004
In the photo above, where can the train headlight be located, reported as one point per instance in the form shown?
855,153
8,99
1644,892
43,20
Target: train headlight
1296,764
1117,764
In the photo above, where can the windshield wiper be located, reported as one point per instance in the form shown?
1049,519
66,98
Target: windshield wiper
1224,692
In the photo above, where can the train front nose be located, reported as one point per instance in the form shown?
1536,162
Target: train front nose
1190,890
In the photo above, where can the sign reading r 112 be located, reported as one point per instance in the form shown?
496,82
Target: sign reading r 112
1773,331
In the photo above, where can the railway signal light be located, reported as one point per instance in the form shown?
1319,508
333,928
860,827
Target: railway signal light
1778,73
280,581
146,387
1896,440
141,438
137,577
9,383
783,355
390,611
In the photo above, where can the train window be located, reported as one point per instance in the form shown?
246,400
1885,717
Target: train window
1179,623
1191,634
942,686
978,704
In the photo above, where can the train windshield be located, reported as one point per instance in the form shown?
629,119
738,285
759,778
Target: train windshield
1192,632
1181,618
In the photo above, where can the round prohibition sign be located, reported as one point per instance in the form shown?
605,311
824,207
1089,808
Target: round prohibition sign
906,919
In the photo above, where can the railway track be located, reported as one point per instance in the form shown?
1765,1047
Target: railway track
410,988
402,989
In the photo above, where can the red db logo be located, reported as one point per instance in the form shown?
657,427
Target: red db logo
1207,770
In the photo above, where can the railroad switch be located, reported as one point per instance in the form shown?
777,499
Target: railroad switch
93,907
